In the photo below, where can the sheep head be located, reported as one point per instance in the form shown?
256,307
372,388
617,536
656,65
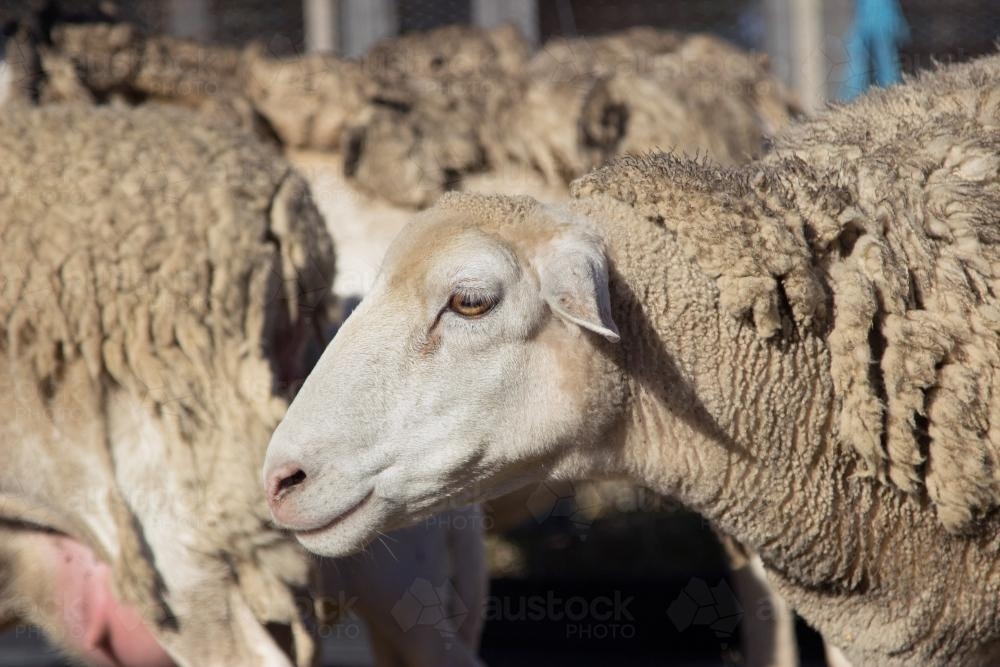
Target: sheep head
479,362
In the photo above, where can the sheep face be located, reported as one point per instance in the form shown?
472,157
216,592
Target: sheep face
478,363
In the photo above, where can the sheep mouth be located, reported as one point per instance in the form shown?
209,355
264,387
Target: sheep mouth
340,518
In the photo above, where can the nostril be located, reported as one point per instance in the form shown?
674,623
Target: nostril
294,479
283,479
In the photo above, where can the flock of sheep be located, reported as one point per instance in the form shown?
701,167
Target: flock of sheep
797,340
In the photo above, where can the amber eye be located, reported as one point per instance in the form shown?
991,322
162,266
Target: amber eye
471,305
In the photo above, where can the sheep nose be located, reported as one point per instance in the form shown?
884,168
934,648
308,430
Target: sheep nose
283,481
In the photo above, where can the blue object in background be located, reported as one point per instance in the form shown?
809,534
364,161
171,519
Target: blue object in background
873,46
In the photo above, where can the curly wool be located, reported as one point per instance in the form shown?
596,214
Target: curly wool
875,226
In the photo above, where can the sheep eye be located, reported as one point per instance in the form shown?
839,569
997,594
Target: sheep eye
471,305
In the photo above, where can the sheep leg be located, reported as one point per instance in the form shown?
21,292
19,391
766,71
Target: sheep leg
835,657
386,578
467,564
768,627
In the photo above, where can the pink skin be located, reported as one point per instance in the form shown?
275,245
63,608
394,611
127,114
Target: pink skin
107,632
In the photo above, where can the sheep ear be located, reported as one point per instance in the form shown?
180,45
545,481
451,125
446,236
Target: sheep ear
574,282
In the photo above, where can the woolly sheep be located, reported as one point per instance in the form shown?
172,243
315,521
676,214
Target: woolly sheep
640,89
426,131
802,349
456,113
56,56
158,277
364,222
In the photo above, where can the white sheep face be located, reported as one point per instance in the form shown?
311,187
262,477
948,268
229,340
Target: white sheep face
474,366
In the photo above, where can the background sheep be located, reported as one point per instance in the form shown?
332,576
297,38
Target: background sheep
638,90
403,152
159,276
802,349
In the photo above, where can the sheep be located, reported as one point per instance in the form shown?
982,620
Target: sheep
311,102
113,62
641,89
801,349
541,153
562,113
160,276
93,58
363,223
402,151
670,55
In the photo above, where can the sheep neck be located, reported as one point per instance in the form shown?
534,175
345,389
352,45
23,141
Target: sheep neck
739,429
733,426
